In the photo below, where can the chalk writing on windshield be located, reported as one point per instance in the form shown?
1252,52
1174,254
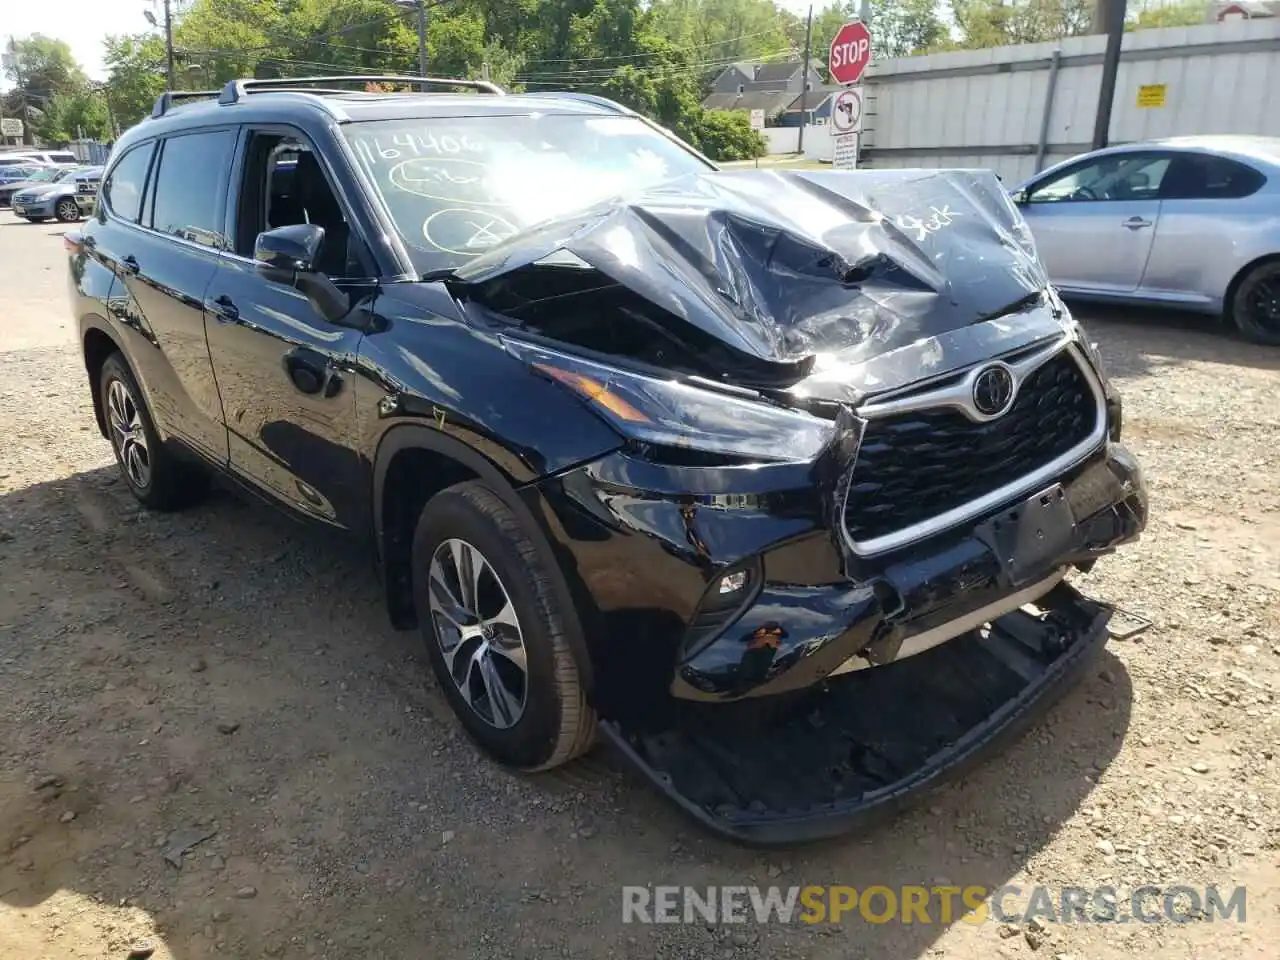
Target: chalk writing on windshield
466,232
401,146
451,179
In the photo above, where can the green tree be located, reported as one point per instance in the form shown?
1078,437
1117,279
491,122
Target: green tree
1187,13
69,116
994,23
899,28
46,66
135,76
727,135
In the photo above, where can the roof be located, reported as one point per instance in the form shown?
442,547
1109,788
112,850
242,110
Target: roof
1254,8
773,72
770,101
813,98
269,106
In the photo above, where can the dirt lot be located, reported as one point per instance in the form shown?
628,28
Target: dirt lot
225,672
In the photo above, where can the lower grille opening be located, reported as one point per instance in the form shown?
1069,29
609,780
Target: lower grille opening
917,465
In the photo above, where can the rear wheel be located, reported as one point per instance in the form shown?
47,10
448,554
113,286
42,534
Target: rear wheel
1255,305
156,477
66,210
495,631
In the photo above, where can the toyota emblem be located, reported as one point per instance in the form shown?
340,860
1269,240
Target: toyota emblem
993,390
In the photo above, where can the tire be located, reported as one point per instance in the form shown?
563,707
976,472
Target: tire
35,219
536,721
1255,304
157,478
66,210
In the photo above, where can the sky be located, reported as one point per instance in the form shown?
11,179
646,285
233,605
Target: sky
84,23
81,23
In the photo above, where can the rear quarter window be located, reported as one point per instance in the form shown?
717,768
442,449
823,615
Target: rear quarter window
123,188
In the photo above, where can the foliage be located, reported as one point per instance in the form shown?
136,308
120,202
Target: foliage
727,135
900,28
136,66
995,23
1186,13
70,116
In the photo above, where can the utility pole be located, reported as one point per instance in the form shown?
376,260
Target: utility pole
422,38
168,44
804,87
1110,16
22,90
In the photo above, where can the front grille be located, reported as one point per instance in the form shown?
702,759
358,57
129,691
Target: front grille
917,465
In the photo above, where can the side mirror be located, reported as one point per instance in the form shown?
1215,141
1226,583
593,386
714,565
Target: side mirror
294,248
1019,197
288,255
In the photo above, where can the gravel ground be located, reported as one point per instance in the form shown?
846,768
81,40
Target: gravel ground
226,678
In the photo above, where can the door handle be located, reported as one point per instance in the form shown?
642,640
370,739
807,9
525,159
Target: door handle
129,265
1137,223
311,372
224,309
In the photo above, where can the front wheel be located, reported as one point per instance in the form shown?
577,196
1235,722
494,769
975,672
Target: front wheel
496,631
66,210
1255,306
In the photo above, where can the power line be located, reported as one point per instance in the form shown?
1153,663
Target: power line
664,69
658,53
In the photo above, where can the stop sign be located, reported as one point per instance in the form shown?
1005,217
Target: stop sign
850,52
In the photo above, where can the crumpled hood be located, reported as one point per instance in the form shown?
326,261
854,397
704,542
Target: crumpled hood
783,266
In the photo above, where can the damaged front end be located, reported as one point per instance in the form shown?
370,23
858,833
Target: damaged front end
863,445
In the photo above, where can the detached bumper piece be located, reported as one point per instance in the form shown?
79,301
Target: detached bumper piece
855,749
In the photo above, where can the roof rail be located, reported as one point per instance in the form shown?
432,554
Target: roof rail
170,98
237,90
604,102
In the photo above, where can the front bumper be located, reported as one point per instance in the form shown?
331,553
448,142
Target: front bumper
853,752
42,207
645,548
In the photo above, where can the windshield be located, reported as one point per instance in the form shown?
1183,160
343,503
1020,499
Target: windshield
456,186
48,176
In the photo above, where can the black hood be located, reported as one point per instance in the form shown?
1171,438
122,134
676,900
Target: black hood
780,267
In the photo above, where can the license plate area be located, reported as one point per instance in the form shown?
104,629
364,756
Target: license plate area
1029,539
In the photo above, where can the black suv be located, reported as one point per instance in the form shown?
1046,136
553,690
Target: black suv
774,476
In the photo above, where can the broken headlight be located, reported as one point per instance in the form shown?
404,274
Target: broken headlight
673,413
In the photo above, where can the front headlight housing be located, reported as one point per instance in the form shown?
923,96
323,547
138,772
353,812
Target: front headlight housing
677,414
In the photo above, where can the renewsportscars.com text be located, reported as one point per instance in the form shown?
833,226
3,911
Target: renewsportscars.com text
929,905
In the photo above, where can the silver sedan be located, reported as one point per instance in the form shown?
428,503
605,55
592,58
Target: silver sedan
1191,222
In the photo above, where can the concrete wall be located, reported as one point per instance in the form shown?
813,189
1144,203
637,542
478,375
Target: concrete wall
818,143
983,108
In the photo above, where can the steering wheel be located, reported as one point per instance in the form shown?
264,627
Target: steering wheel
1084,193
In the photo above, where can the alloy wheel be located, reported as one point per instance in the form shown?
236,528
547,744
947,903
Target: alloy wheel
478,632
1263,301
128,434
67,210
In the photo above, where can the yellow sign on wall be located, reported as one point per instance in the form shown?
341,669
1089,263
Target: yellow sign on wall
1152,95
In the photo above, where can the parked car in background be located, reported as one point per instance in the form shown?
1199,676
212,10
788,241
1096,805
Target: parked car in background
40,177
88,180
1191,222
17,172
61,199
53,157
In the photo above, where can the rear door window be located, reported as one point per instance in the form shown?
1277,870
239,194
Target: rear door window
189,196
123,189
1202,176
